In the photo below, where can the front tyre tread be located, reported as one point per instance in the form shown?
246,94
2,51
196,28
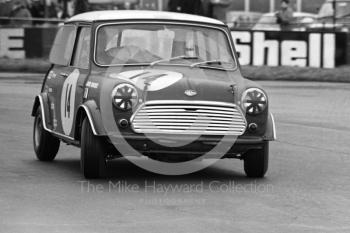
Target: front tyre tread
93,153
46,146
256,161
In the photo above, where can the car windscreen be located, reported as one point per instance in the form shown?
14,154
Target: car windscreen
134,44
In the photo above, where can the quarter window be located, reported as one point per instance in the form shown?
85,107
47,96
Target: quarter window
62,49
82,49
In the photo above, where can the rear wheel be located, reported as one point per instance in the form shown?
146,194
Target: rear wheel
256,161
45,144
93,152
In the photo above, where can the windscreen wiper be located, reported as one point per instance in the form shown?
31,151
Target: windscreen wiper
172,59
219,62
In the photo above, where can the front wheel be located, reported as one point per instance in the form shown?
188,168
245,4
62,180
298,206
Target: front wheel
93,153
256,161
45,144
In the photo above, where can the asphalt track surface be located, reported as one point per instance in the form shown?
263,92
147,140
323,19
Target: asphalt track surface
307,188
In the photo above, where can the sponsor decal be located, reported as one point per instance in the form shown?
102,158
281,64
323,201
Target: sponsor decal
68,101
155,80
52,75
92,84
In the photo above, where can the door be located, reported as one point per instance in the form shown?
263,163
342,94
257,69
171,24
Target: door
69,80
73,88
60,57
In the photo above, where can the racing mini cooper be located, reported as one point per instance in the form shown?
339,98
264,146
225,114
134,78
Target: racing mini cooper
165,86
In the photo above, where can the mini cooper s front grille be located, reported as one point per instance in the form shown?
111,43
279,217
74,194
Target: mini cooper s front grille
189,117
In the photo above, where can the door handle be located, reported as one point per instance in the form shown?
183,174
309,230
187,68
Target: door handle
64,75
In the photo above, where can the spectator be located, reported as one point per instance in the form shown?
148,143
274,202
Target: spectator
5,9
216,8
81,6
59,10
285,15
51,11
186,6
37,10
20,10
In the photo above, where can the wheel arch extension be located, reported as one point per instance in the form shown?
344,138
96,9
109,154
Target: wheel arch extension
35,106
270,134
88,109
41,101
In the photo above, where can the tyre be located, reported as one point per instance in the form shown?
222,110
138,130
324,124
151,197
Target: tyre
45,144
256,162
93,152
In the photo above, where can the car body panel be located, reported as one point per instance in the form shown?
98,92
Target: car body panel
71,93
124,15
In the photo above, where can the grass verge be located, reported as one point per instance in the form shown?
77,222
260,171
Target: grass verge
339,74
24,65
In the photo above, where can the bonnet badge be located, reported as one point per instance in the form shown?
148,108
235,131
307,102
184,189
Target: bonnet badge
190,93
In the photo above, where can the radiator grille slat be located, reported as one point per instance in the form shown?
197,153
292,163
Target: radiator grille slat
189,117
191,114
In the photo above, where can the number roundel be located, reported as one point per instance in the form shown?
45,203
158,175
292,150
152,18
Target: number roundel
68,101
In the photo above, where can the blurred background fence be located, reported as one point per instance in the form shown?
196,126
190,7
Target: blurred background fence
27,27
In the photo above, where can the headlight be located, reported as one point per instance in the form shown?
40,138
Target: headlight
254,101
124,96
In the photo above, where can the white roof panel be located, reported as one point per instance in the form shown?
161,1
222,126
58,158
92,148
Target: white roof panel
139,15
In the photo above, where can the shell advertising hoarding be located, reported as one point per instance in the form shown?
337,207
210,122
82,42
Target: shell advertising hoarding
269,48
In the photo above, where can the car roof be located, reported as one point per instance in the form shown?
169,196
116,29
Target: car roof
94,16
338,0
295,14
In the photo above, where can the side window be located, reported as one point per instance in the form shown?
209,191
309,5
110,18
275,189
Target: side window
82,49
62,49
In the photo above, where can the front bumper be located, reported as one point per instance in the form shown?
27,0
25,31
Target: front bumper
185,145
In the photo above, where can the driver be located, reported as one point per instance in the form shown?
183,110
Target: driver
111,50
123,53
108,50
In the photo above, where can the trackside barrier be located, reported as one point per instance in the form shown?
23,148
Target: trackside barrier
271,48
285,48
22,43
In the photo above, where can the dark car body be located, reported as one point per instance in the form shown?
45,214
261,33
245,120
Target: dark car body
151,98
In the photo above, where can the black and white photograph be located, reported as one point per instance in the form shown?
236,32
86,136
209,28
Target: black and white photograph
174,116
